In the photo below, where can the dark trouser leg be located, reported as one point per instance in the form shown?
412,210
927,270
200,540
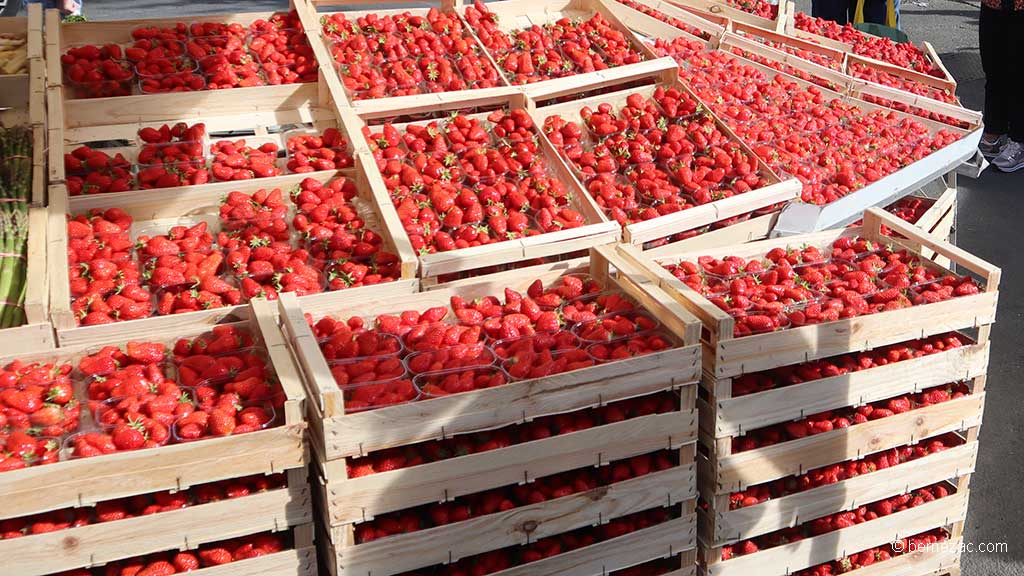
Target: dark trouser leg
1013,66
996,58
835,10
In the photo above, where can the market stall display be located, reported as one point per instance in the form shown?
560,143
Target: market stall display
484,288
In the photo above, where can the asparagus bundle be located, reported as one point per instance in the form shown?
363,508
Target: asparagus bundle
15,191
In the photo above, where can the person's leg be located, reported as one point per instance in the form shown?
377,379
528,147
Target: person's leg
992,33
1011,156
834,10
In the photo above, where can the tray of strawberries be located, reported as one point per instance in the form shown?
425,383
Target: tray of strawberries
181,57
482,183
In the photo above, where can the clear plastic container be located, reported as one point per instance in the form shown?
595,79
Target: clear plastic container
452,357
102,442
363,345
156,48
175,82
556,341
526,366
614,325
437,334
267,416
107,413
448,382
170,153
164,66
102,88
215,369
365,396
638,344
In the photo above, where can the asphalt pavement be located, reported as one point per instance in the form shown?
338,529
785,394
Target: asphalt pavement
988,212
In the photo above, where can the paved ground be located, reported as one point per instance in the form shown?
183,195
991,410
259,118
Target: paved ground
989,209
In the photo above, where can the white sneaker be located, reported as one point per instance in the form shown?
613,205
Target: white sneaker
992,149
1011,157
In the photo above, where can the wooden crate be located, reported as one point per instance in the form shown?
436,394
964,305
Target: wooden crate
597,230
158,207
184,529
789,558
86,481
777,191
518,14
330,80
727,356
338,435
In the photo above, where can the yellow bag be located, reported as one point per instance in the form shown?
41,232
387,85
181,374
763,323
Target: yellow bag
890,13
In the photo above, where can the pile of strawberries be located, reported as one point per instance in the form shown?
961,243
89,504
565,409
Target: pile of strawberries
654,156
561,48
845,418
505,558
237,160
538,429
168,156
754,382
793,288
137,402
902,54
37,408
506,498
105,278
172,156
203,56
878,554
404,54
835,473
256,253
832,146
135,506
143,396
485,343
312,152
206,556
837,521
469,181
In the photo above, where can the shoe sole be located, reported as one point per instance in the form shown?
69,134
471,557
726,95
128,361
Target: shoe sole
1019,166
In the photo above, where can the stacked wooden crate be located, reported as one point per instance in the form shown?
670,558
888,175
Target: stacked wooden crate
765,507
83,515
355,504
